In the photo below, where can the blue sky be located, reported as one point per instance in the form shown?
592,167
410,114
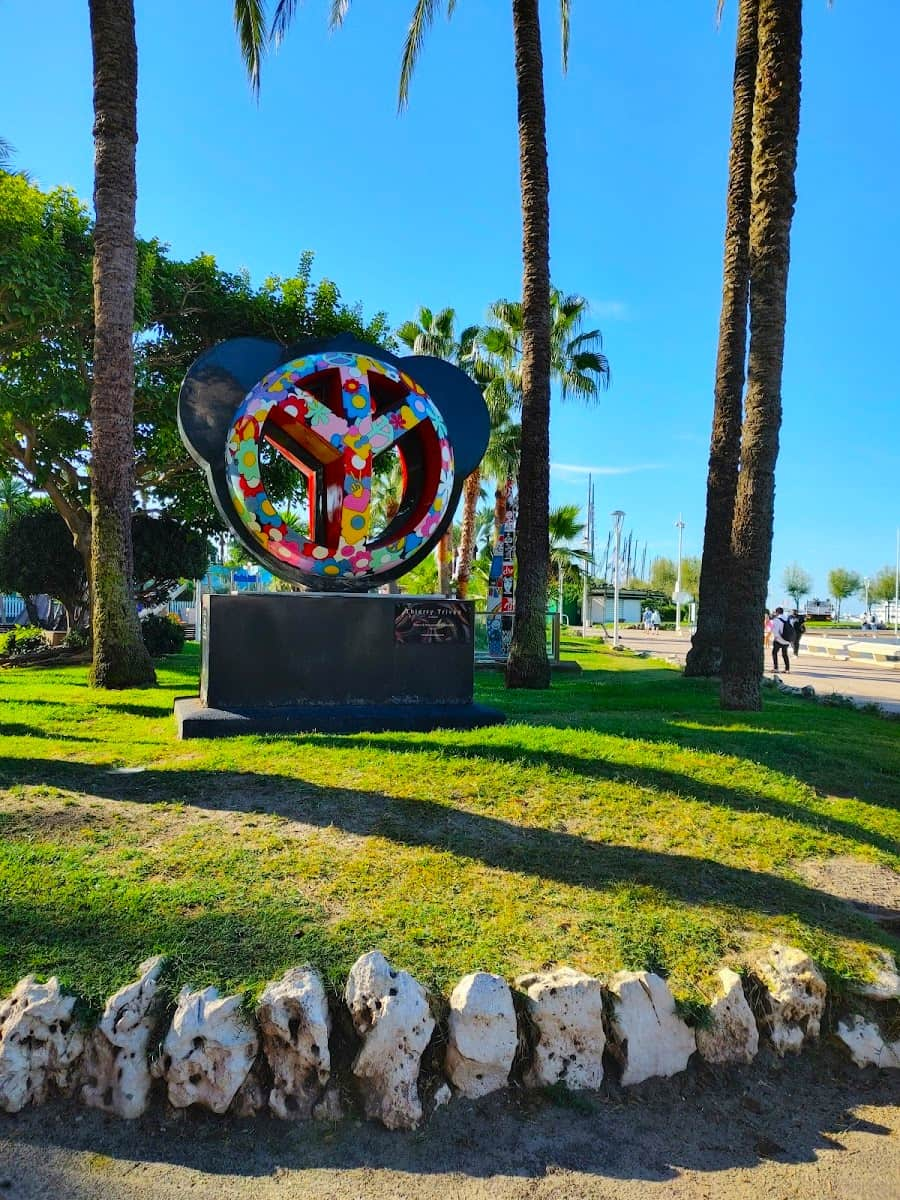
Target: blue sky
423,208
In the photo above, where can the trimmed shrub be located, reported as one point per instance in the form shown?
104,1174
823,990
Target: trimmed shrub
22,641
162,635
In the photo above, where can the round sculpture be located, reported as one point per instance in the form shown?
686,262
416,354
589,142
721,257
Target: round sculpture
330,409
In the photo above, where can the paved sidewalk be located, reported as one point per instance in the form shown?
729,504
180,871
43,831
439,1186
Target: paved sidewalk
866,682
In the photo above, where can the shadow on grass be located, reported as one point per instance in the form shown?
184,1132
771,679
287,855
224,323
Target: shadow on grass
629,774
527,850
837,752
20,729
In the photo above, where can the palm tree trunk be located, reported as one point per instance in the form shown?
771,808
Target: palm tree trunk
528,665
471,492
120,658
705,655
443,553
776,122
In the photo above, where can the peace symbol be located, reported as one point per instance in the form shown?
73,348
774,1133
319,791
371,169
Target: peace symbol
330,415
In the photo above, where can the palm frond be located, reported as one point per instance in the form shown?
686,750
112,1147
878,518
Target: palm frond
250,23
408,332
421,21
284,15
7,150
585,341
339,10
564,18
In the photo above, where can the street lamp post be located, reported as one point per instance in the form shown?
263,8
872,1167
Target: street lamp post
617,527
897,586
679,525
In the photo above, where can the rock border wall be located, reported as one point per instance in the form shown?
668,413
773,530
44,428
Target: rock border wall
564,1028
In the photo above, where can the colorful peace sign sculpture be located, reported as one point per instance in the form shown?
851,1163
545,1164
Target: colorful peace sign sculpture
330,408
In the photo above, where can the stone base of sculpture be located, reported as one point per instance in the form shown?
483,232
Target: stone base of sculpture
282,662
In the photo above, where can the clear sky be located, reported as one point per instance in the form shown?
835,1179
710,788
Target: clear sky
423,208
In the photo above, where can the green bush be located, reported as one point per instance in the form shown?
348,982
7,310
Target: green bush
22,641
162,635
76,639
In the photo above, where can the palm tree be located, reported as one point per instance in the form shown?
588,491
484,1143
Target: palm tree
565,528
705,655
776,122
120,657
576,362
528,665
435,334
6,154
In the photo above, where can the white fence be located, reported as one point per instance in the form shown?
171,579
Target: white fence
13,608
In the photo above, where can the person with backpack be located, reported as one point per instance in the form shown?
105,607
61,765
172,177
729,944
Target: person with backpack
781,639
796,629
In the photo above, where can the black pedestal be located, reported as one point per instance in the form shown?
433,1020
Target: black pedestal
297,662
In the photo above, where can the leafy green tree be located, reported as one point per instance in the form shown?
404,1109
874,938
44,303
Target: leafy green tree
776,125
528,665
882,584
165,552
37,557
663,573
842,584
46,353
797,582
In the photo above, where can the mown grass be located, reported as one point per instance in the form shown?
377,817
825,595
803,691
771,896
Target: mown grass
619,820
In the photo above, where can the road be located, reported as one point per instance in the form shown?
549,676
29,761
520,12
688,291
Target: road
866,682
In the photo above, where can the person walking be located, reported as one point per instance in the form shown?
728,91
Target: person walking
648,619
780,640
767,630
796,630
656,620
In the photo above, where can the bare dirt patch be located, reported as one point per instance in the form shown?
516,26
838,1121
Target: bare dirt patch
805,1127
869,887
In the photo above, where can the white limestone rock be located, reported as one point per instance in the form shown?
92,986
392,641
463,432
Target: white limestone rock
208,1051
566,1007
295,1025
40,1043
649,1035
482,1039
329,1108
115,1070
390,1013
867,1045
794,997
732,1035
886,984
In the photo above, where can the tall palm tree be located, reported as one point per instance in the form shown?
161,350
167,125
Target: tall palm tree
565,528
577,363
435,334
528,665
120,657
705,655
776,122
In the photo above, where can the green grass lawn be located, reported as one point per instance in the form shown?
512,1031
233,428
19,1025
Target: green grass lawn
619,820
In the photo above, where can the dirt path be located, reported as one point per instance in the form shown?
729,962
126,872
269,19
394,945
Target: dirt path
814,1127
